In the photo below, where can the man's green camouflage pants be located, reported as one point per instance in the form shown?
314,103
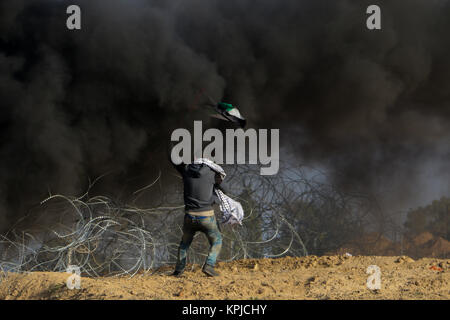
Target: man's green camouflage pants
207,225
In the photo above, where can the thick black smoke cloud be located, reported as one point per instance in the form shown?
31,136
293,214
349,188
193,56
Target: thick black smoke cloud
373,106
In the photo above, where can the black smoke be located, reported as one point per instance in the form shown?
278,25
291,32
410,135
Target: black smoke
373,106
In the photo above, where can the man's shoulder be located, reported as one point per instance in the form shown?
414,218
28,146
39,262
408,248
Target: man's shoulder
207,172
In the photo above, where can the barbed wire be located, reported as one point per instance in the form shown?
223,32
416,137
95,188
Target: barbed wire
104,237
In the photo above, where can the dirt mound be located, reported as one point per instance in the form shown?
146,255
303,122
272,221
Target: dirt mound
422,239
440,247
311,277
427,245
422,245
371,244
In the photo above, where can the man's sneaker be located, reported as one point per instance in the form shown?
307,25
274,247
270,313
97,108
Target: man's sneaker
209,271
177,273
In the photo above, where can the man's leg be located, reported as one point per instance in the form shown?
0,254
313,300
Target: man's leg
186,240
214,236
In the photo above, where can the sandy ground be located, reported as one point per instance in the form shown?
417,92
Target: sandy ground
311,277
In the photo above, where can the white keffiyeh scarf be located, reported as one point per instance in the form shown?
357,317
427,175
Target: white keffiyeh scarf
232,211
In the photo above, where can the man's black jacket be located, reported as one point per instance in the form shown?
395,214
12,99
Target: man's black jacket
199,181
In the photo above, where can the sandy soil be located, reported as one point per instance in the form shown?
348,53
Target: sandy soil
328,277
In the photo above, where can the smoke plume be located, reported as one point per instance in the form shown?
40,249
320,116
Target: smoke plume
372,106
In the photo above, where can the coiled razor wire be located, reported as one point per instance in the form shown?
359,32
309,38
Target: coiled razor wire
103,237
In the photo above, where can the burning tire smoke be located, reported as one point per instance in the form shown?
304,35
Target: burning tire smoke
371,106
